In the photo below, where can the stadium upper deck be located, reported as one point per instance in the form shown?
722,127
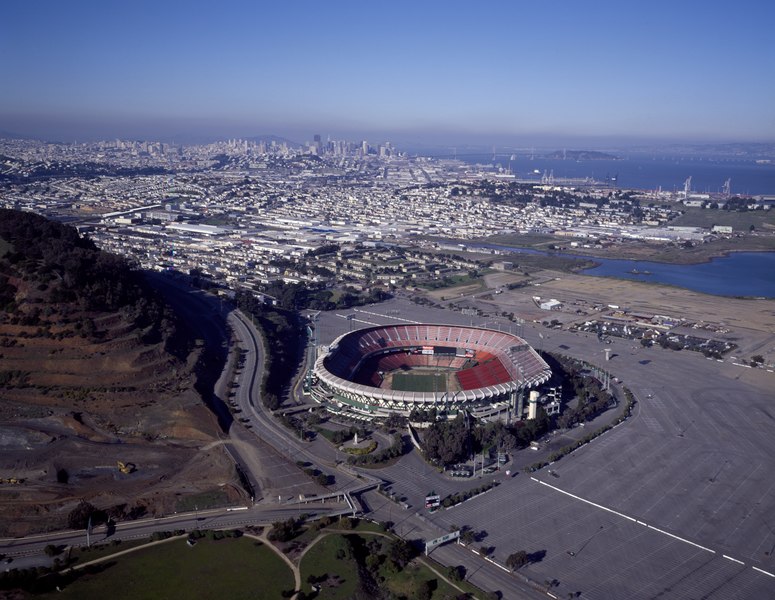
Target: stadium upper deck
501,365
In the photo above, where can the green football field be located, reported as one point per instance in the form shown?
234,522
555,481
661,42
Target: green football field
419,382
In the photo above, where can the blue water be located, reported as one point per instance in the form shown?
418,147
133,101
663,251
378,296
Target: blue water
750,274
648,173
739,274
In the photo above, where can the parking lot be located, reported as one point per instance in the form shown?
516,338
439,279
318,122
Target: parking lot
677,502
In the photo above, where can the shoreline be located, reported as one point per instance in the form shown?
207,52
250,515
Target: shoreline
658,257
676,274
673,286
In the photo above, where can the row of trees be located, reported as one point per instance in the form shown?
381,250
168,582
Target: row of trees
396,449
629,403
285,339
284,531
592,399
458,497
298,296
451,441
64,268
315,473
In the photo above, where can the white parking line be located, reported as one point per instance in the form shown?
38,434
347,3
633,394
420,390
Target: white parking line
618,514
358,320
739,562
763,571
375,314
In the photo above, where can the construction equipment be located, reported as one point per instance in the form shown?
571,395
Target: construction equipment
126,468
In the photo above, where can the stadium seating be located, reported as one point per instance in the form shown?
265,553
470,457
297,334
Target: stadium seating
500,357
484,374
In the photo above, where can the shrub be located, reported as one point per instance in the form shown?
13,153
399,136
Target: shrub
517,560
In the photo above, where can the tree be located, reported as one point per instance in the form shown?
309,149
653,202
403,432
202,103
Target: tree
400,553
79,517
467,536
62,475
517,560
395,421
446,441
282,531
424,589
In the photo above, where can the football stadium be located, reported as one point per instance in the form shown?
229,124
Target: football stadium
376,371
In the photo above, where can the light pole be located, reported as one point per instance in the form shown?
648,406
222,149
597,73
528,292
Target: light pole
584,545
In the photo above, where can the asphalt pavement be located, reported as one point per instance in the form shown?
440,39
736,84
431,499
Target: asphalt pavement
676,502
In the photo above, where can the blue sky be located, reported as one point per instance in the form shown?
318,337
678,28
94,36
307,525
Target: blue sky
495,72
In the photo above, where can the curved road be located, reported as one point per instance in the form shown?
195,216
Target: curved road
258,439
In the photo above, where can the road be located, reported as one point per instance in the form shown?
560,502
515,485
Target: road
28,550
263,424
673,503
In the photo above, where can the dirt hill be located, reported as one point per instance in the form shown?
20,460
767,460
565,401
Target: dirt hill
94,369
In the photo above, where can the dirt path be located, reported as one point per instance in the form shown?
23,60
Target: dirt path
294,569
123,552
261,538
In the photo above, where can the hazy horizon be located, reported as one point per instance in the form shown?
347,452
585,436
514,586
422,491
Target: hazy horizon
78,132
597,75
194,131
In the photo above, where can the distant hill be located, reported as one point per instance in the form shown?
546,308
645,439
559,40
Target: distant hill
581,155
8,135
738,150
94,369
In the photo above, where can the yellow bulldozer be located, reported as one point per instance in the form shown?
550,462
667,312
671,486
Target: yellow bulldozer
126,468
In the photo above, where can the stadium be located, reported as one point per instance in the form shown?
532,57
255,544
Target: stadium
377,371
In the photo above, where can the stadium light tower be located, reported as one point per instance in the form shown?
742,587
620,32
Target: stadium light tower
687,187
727,191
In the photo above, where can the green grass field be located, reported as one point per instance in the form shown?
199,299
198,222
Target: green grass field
406,583
243,568
82,554
419,382
333,555
239,568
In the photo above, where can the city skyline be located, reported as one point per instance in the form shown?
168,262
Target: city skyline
597,74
